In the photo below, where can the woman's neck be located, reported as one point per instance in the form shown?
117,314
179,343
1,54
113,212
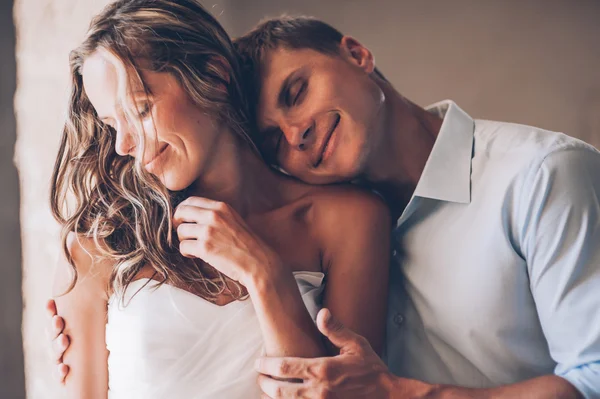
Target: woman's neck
238,176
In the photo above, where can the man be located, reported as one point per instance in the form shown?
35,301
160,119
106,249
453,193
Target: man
494,293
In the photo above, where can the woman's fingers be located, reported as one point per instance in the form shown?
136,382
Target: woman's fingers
189,231
194,214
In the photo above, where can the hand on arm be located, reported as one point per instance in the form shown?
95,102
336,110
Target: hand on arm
84,312
357,372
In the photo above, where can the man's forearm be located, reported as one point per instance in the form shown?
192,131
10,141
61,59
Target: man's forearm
546,387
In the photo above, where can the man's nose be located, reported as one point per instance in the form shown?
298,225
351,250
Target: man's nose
299,136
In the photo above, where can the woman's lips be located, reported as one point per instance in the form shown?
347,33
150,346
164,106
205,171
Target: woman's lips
154,161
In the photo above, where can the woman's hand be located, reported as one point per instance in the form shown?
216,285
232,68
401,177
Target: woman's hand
214,232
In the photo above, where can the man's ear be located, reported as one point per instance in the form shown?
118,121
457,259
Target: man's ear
358,54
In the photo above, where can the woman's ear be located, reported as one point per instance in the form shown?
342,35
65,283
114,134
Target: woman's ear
358,54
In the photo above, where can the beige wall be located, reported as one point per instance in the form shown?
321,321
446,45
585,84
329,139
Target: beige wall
536,63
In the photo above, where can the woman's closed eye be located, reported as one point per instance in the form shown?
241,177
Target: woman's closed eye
144,109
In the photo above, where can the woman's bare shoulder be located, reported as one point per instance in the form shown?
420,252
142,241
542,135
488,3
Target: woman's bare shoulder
346,215
347,205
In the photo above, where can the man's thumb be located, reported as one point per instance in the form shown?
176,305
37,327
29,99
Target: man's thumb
335,331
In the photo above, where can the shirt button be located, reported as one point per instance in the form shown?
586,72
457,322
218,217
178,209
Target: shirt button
398,319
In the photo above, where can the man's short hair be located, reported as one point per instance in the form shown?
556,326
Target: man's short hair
292,33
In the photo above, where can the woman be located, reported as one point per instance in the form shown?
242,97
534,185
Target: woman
193,291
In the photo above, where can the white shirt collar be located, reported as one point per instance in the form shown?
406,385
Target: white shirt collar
447,173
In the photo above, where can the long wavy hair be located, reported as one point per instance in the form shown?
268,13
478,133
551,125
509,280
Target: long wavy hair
110,199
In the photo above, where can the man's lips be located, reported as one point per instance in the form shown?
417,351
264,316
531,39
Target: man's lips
151,162
326,142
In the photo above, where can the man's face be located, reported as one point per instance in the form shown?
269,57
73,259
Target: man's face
319,115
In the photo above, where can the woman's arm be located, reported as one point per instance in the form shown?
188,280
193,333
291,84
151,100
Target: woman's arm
84,311
215,233
356,228
287,327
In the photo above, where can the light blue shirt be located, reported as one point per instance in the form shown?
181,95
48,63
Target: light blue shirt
497,278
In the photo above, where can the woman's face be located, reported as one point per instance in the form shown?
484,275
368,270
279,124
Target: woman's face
179,138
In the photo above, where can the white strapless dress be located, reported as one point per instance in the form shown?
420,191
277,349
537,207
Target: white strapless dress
165,342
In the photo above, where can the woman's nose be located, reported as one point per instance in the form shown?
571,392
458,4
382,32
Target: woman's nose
125,143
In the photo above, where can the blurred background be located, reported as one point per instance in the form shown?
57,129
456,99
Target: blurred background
535,62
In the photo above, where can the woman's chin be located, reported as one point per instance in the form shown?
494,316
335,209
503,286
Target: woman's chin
174,184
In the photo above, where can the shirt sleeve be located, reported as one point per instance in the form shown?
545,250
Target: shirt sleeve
561,237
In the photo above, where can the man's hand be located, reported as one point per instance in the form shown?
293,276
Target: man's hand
357,372
59,341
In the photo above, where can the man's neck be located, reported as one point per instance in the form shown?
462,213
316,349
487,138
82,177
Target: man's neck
407,138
